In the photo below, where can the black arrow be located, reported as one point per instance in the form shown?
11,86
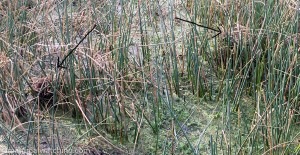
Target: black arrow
59,64
217,30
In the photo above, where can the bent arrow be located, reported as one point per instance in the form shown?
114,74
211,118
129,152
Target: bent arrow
217,30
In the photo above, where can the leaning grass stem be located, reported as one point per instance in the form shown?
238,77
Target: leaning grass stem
249,73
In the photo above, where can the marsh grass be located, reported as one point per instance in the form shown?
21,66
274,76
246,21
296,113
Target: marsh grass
143,82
